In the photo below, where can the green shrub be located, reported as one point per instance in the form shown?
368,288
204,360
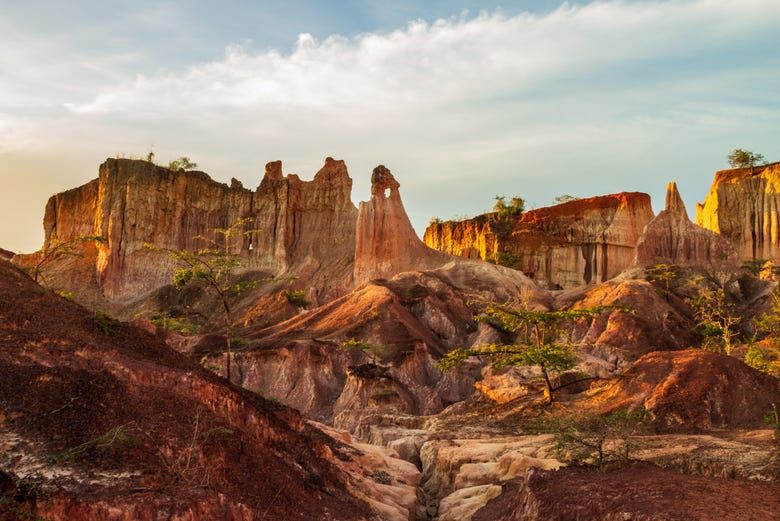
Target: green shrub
297,298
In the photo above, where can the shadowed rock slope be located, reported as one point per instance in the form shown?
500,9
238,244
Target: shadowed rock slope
641,491
98,417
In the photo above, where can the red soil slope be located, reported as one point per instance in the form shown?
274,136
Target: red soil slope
100,420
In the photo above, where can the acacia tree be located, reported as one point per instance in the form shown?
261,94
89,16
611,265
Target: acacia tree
183,163
215,267
541,338
717,319
515,206
740,158
57,249
664,274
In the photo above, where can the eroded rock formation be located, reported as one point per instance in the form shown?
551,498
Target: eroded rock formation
295,227
113,424
744,205
672,238
574,243
693,389
386,243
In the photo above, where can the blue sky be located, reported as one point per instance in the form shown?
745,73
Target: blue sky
462,100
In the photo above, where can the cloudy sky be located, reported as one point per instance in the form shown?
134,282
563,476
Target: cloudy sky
462,100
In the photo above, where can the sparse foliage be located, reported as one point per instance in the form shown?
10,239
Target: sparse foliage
565,198
740,158
594,438
503,209
297,298
664,274
542,339
717,319
174,323
118,437
766,360
772,418
215,267
434,220
58,249
183,163
358,345
187,464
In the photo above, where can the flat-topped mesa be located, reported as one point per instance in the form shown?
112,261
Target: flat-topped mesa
567,245
298,227
386,243
672,238
743,205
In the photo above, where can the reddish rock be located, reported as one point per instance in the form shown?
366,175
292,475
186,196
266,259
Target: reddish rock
693,389
386,243
638,492
672,238
115,425
743,205
574,243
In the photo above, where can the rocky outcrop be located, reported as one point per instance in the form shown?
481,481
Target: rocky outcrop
299,228
672,238
574,243
409,321
743,205
693,389
386,243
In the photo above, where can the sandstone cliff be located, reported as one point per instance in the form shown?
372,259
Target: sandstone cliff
386,243
671,237
743,205
300,228
579,242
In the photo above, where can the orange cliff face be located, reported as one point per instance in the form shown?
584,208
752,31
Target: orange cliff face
574,243
743,205
301,228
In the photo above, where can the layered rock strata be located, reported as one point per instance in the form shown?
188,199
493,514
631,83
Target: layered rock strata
574,243
386,243
671,237
303,228
743,205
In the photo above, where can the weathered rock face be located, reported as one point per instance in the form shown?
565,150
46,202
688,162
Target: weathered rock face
574,243
386,243
671,237
693,389
743,205
303,228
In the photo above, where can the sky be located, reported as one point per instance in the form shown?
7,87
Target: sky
462,100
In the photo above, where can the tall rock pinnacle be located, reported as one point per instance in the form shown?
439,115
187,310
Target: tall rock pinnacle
671,237
386,242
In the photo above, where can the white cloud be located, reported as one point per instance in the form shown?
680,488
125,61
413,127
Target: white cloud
600,98
442,63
